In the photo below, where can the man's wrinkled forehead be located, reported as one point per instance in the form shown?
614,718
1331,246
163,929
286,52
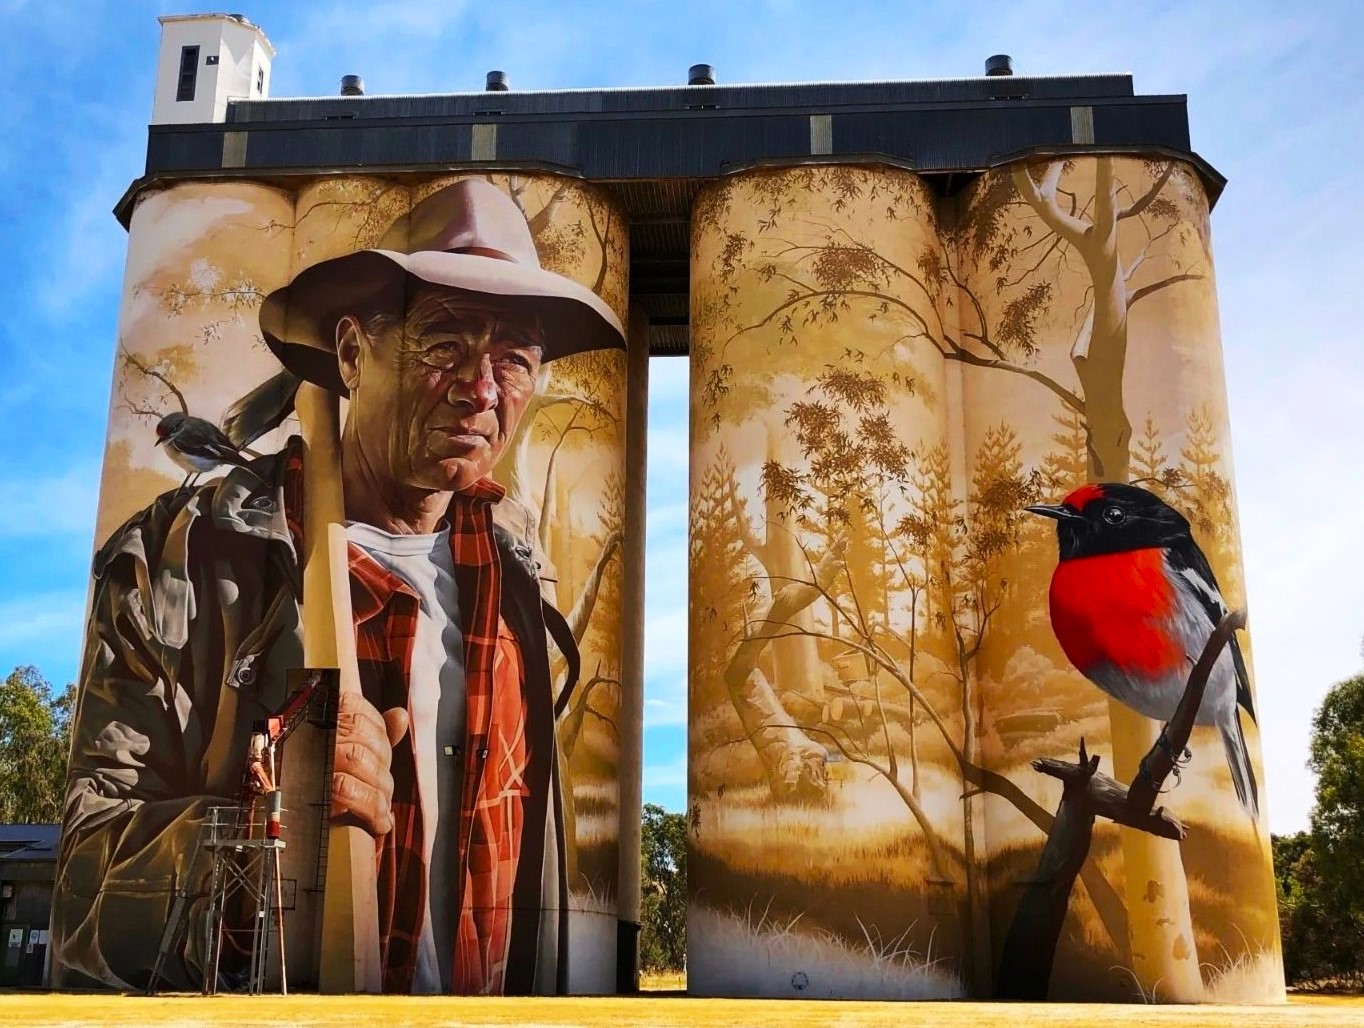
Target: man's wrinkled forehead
430,309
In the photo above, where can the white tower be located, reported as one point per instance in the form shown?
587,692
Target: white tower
206,60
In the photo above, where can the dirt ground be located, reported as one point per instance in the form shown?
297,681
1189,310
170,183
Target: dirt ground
69,1011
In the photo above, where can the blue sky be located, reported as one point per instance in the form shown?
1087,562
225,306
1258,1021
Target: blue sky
1274,104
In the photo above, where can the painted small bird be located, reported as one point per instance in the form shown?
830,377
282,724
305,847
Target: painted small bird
1133,602
197,445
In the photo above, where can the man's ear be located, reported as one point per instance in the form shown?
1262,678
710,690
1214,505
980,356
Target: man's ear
350,340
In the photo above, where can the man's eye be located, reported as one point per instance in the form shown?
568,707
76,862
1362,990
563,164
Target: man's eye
519,361
443,356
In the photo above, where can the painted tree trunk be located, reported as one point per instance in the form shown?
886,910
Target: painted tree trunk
973,825
796,665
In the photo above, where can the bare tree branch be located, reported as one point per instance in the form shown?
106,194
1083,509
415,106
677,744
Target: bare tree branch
581,614
936,855
1132,210
1041,197
541,221
1160,761
146,369
1030,947
571,725
959,353
1105,898
794,764
1147,290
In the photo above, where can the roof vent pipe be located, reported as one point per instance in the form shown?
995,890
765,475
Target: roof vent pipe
999,64
497,82
352,85
700,75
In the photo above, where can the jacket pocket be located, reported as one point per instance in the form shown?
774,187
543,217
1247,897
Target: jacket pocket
248,661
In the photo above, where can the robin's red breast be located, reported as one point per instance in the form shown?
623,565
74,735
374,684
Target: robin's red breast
1133,602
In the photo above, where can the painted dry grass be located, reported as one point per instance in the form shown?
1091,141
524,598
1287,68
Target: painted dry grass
68,1011
752,955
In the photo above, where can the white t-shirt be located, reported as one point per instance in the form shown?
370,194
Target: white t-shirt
436,701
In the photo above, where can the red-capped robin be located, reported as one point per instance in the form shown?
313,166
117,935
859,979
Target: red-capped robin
1133,602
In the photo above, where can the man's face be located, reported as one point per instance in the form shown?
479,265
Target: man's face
437,395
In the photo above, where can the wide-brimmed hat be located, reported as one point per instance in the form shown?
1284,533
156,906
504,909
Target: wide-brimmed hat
470,237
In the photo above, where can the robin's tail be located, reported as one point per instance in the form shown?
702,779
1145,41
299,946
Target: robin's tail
1238,759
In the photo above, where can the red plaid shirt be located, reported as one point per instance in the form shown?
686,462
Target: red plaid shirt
495,752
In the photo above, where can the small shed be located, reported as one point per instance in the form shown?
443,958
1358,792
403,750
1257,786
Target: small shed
28,870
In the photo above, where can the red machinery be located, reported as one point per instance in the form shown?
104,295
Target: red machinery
266,736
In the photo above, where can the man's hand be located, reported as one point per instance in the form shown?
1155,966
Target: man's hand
362,786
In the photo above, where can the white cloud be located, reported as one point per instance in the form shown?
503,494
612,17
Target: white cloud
84,245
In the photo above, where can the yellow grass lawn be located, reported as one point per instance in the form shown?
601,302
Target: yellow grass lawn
69,1011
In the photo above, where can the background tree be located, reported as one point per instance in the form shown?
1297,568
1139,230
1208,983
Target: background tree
1317,876
1337,757
663,903
35,738
1323,939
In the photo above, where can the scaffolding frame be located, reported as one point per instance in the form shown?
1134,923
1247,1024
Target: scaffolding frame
246,872
244,878
244,845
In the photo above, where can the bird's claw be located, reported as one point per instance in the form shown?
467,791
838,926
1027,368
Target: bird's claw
1180,759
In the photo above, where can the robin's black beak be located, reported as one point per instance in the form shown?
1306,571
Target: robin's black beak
1059,511
158,442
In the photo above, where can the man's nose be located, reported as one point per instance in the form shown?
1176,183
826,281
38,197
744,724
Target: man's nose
474,384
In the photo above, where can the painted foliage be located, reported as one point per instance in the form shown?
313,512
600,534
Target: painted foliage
885,382
471,330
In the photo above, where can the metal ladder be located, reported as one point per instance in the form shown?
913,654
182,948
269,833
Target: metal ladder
178,913
324,719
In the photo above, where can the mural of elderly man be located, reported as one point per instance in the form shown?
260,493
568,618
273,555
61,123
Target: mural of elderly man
448,754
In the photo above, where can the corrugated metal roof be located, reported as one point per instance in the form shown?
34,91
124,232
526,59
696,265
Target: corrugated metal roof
29,842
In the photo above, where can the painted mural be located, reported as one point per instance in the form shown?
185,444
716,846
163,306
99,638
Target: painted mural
971,703
437,365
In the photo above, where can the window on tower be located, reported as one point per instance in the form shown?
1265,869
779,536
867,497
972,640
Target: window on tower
189,67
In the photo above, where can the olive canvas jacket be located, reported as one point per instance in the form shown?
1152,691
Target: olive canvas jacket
194,624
